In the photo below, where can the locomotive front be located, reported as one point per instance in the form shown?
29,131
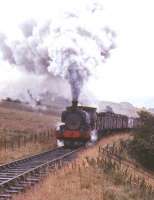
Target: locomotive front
78,123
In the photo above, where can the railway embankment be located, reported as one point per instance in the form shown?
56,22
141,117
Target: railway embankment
97,173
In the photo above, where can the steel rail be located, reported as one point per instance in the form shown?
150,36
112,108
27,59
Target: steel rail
26,158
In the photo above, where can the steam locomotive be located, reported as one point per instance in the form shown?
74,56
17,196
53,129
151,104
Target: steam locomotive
82,124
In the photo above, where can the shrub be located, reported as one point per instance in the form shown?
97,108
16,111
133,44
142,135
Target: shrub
142,146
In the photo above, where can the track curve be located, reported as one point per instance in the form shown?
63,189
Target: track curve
18,175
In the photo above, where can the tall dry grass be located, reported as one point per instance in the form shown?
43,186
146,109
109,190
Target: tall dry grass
70,184
84,180
9,154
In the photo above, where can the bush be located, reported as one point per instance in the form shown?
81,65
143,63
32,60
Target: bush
142,146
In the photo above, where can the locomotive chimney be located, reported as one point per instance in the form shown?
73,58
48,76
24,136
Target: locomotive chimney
74,104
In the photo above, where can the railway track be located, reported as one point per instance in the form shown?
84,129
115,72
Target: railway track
20,174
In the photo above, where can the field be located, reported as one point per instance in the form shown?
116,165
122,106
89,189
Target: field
24,121
23,133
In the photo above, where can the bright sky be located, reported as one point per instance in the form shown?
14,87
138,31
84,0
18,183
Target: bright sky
128,74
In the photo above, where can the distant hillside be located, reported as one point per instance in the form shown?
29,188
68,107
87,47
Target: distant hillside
151,110
51,103
124,108
52,106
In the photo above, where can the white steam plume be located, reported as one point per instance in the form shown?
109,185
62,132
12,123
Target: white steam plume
71,46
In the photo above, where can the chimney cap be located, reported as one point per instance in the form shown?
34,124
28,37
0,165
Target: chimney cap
74,103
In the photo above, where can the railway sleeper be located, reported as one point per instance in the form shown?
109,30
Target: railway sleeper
11,191
33,179
20,168
14,169
36,176
19,188
23,184
43,174
17,171
26,183
7,173
4,178
5,196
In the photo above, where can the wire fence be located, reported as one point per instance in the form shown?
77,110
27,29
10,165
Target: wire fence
21,140
128,170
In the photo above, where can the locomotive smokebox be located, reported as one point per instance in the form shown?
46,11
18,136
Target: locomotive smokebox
74,104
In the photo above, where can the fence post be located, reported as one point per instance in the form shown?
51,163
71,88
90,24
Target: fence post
18,142
5,145
48,133
24,140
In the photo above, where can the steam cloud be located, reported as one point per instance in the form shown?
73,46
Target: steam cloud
71,46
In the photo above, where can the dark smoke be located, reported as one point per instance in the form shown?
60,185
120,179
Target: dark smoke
76,79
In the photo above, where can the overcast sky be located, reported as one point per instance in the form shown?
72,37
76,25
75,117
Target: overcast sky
128,73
